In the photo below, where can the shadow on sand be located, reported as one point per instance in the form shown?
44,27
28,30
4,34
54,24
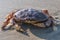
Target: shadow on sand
38,32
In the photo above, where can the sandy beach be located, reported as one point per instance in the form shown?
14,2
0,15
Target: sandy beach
53,6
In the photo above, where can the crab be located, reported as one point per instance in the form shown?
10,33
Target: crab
39,18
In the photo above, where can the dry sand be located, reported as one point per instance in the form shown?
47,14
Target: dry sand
32,33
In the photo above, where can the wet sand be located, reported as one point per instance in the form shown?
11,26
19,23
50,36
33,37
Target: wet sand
32,33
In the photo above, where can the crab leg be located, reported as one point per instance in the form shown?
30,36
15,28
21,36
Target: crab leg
18,24
18,27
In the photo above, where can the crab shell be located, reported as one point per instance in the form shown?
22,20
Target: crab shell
40,18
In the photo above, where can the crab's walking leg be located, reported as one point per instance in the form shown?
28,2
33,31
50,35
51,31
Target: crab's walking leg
18,24
19,28
45,11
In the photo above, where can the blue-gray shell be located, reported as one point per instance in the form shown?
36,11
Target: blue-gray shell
30,13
